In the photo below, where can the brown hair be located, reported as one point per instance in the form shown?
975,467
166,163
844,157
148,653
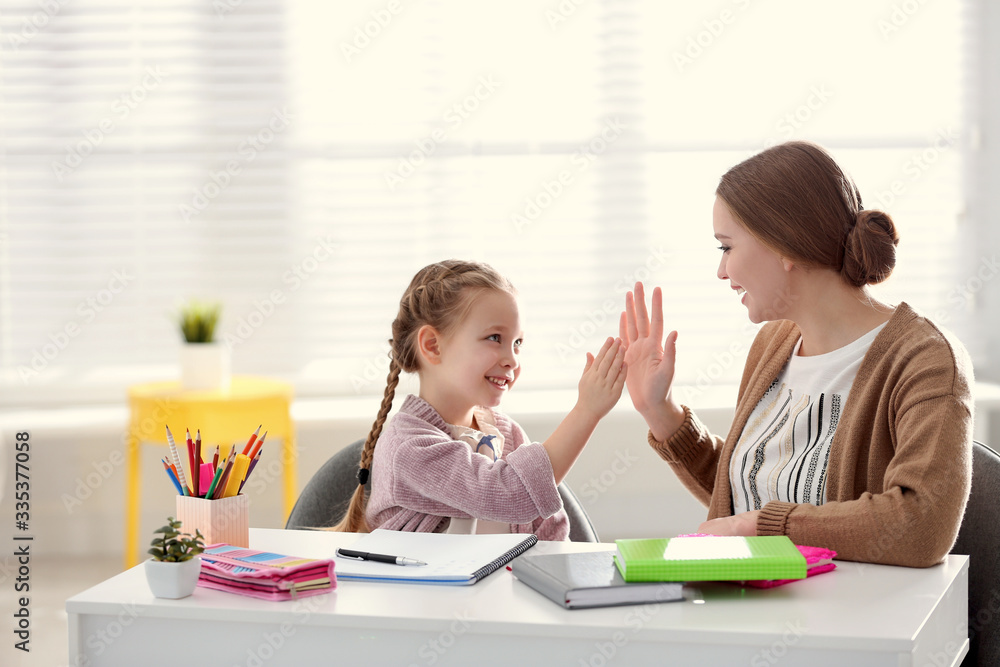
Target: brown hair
439,295
797,201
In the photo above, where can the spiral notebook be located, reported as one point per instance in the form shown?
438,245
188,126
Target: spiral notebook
452,559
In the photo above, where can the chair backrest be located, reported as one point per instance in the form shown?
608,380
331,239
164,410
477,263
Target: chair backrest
580,527
979,538
323,502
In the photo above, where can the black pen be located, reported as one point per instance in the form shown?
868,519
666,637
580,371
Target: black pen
379,558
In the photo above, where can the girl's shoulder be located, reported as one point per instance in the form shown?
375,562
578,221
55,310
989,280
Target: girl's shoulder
416,410
416,422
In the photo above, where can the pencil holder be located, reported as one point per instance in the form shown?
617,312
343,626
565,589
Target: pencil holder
226,520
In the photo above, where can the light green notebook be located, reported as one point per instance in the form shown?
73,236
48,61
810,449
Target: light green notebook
710,559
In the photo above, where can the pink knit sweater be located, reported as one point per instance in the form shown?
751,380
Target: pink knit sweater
421,477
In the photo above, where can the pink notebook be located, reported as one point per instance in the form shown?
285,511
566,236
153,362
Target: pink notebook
262,574
818,561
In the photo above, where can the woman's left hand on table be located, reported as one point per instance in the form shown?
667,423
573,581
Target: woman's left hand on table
744,524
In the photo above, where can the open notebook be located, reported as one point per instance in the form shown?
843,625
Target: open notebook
451,559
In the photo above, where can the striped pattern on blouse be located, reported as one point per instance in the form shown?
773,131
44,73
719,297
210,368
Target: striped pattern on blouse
784,449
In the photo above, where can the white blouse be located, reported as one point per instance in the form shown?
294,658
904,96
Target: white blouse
783,451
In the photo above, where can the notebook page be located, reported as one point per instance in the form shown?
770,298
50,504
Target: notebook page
448,556
700,548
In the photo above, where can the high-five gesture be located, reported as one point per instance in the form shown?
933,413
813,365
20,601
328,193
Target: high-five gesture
650,361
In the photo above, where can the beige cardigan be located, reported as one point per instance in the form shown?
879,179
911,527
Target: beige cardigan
900,461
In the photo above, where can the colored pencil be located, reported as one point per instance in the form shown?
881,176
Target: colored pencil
197,463
215,482
253,436
179,470
227,470
253,463
260,443
173,472
170,474
191,464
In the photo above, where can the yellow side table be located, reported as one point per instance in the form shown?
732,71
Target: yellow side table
223,417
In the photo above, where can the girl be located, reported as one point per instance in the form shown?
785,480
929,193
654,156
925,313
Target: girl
448,460
853,424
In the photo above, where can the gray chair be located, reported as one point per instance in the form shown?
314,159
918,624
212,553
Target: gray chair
324,499
979,538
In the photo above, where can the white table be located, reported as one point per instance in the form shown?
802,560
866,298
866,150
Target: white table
857,615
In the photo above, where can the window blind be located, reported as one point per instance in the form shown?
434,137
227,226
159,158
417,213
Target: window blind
299,161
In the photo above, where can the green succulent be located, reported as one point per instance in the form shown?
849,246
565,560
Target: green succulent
175,547
198,320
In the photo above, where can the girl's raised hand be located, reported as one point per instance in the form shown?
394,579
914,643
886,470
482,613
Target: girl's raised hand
650,362
603,378
600,388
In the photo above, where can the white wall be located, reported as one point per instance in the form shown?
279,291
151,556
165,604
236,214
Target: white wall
983,174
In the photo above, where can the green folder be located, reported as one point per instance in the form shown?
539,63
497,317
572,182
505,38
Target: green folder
710,559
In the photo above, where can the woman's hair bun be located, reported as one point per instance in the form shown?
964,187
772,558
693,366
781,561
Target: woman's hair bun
870,248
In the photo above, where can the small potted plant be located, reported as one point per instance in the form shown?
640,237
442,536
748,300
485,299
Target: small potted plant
198,320
173,570
205,363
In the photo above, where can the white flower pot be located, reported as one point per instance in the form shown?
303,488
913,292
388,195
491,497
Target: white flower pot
173,580
206,366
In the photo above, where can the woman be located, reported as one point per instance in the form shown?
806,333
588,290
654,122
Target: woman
853,423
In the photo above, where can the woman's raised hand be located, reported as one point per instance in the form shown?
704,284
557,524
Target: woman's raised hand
650,362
